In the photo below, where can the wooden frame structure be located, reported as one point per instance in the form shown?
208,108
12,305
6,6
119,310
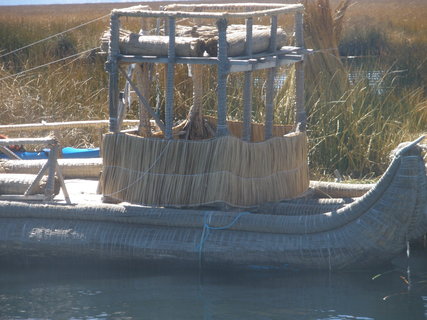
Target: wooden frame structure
220,14
51,166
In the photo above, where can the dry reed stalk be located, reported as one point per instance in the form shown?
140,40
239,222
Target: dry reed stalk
322,30
191,173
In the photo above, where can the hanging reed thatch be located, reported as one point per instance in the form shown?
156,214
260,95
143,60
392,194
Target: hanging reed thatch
191,173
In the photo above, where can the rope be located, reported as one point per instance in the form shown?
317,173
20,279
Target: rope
143,173
206,229
52,36
44,65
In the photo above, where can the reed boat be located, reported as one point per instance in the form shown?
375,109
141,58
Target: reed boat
305,233
238,197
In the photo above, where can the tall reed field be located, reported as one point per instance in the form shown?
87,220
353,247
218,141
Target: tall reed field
366,82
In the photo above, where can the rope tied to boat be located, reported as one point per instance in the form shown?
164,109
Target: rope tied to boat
207,218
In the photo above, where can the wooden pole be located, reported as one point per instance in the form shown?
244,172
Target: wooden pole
112,68
222,129
62,182
247,89
145,103
170,80
47,140
124,102
142,76
300,114
52,163
195,116
269,94
59,125
9,153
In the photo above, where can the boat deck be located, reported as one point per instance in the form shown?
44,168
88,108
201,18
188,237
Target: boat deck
81,191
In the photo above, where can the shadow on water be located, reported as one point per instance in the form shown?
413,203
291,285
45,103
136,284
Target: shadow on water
76,292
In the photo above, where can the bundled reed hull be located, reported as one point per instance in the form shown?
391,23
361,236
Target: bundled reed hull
193,173
19,183
89,168
365,232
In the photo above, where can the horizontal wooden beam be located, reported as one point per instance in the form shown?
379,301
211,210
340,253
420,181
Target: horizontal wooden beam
156,59
47,140
270,62
274,9
59,125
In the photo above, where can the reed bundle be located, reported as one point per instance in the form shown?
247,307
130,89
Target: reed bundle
70,168
322,28
236,38
191,173
17,184
154,45
192,41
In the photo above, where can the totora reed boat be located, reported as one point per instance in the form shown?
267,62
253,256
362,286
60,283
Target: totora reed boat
214,193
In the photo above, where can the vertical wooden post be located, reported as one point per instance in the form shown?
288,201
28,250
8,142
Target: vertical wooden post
195,116
300,114
170,80
112,68
222,129
247,89
269,92
52,161
143,84
273,34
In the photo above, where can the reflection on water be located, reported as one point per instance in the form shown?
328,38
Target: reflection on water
87,293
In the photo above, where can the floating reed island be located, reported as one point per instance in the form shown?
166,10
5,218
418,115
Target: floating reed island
210,191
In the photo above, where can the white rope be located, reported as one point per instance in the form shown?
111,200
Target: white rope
52,36
44,65
144,173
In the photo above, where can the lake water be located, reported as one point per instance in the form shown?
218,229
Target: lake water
148,293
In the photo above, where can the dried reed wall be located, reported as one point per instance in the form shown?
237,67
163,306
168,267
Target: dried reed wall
190,173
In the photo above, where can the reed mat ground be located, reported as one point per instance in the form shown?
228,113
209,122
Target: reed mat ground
359,108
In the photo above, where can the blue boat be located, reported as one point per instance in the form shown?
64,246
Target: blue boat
66,153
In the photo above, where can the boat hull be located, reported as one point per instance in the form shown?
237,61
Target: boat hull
365,232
